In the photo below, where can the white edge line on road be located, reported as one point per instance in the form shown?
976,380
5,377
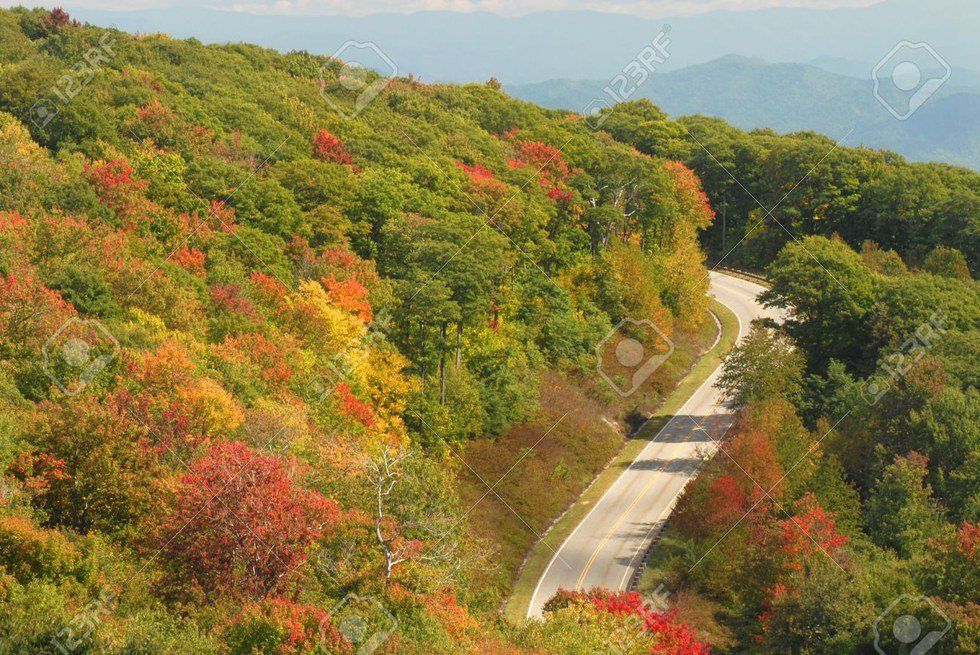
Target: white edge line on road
646,539
645,543
680,410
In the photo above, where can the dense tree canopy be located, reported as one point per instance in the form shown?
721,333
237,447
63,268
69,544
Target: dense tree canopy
241,331
853,456
248,321
771,189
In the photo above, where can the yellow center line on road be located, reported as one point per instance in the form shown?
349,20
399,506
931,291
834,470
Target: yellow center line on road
745,296
646,487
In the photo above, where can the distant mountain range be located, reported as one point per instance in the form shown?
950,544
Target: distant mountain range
565,58
750,93
862,70
465,47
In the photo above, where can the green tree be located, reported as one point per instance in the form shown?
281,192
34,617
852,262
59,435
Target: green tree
901,512
764,365
829,293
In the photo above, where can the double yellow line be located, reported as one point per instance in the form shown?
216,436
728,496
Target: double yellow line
632,505
744,295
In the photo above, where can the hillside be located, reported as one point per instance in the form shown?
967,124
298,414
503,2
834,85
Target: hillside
249,329
846,487
299,360
752,94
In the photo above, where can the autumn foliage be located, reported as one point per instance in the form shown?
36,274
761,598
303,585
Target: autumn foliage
29,311
811,531
482,178
670,636
241,523
114,179
547,162
290,628
329,147
284,319
691,197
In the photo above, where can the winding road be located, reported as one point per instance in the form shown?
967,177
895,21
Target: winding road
606,547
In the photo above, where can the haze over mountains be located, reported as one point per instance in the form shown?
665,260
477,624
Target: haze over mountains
467,47
561,58
751,93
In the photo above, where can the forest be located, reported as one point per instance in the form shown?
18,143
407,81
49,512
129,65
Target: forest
850,476
247,327
769,189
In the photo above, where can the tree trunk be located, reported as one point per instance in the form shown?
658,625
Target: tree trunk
459,344
442,368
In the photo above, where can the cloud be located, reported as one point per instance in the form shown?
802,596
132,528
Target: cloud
504,7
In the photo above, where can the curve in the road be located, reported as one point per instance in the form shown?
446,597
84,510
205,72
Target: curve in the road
606,547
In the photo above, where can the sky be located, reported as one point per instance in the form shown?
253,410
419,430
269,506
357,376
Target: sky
505,7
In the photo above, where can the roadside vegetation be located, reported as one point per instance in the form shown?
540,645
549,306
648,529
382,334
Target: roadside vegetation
257,339
246,343
849,480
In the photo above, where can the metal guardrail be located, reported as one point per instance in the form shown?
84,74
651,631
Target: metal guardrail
752,277
634,582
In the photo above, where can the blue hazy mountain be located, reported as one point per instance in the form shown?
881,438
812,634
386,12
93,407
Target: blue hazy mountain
750,93
565,58
463,47
747,92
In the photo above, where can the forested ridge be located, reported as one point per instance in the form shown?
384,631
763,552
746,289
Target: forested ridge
769,189
848,493
244,338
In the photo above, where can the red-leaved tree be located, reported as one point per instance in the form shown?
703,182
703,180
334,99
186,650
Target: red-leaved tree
693,201
552,169
241,524
810,531
672,637
328,147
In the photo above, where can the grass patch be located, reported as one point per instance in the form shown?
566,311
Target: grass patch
707,617
534,469
541,552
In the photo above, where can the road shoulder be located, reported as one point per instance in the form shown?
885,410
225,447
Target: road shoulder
515,609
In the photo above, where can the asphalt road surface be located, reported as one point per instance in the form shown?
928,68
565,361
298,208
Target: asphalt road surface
607,546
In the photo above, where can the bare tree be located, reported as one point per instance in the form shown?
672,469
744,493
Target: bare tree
413,518
386,471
